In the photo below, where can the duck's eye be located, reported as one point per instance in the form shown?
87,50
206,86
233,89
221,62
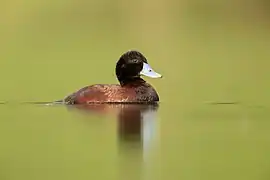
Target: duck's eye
135,60
150,70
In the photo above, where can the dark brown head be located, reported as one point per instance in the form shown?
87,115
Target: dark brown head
131,66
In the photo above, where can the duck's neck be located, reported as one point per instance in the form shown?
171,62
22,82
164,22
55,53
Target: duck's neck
131,80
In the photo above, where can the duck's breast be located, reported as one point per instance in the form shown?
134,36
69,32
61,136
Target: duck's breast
146,93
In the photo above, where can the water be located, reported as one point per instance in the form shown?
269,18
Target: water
213,118
134,141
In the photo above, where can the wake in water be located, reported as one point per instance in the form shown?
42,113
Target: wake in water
222,102
60,102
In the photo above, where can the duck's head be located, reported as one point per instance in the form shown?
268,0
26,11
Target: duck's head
131,66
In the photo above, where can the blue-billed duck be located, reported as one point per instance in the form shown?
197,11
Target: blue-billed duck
132,88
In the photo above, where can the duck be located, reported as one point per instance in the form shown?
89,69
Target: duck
130,68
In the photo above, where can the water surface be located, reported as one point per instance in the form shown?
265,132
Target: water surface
213,118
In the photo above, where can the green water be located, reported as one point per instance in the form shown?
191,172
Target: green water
206,53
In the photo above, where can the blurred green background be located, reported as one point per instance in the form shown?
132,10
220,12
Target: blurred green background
208,50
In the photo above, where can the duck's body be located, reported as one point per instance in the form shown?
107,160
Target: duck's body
132,89
137,92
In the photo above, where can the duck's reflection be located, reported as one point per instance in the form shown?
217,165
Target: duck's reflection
135,131
136,125
135,121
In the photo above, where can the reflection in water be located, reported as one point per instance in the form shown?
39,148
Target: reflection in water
135,132
135,121
135,126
